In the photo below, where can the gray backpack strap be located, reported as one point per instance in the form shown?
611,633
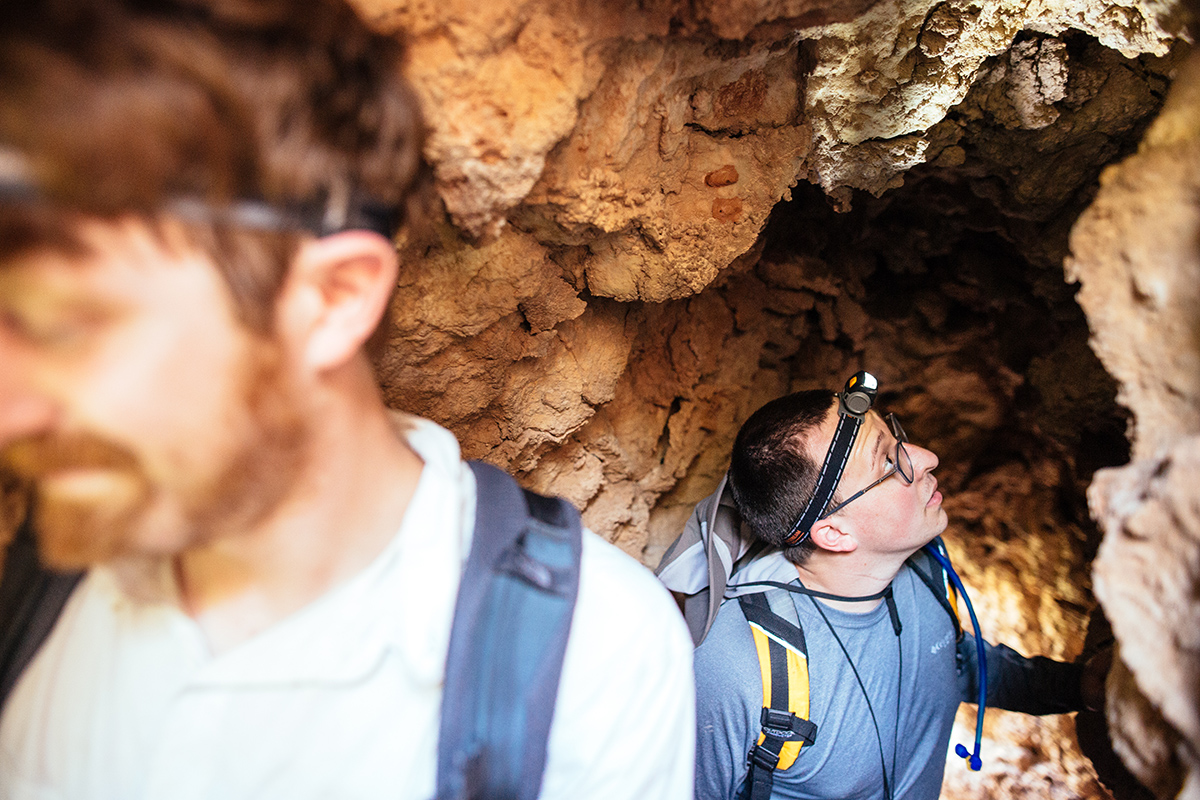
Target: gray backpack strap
511,624
697,565
31,598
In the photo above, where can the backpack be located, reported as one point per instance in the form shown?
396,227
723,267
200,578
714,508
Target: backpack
511,623
717,557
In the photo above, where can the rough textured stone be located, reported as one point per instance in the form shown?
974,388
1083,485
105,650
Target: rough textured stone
1137,256
880,83
631,182
1146,575
1136,253
594,125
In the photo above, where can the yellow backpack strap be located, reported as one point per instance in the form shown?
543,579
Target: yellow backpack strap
786,728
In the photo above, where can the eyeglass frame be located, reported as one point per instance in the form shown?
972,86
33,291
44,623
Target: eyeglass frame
901,451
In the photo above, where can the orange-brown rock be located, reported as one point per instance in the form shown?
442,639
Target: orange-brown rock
725,176
593,124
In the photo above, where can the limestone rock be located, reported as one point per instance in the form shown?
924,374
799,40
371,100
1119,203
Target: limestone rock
879,84
632,181
1135,253
594,125
1146,576
1137,257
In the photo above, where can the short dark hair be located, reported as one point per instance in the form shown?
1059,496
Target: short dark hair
122,105
771,474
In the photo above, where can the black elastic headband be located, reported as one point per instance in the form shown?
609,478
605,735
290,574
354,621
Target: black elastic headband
853,404
332,212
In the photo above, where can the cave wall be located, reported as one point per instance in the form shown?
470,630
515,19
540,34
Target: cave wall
606,126
1136,254
654,141
657,220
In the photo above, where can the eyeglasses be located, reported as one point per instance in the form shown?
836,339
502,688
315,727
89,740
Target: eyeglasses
901,464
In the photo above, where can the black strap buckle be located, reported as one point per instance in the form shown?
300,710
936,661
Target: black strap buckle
786,726
778,728
762,756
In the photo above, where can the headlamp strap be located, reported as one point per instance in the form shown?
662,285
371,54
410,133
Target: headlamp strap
831,473
853,404
334,209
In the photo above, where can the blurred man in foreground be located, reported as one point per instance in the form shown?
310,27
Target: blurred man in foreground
196,202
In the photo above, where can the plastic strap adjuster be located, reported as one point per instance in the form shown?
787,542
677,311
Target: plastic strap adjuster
787,727
762,756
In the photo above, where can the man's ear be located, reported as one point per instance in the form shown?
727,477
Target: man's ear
336,292
834,535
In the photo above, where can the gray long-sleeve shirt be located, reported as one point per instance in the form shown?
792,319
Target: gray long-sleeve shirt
912,682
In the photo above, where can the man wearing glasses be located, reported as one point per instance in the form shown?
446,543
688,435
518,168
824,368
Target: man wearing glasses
820,526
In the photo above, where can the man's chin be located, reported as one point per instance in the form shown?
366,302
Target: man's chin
74,537
935,531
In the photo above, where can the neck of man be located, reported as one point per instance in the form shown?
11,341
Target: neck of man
850,574
346,504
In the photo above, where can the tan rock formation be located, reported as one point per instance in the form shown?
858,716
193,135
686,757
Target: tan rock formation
1136,253
594,125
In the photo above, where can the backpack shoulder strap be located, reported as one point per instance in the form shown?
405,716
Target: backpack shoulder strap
783,660
511,623
31,598
934,576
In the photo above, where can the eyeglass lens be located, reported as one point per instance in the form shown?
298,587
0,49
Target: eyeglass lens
904,463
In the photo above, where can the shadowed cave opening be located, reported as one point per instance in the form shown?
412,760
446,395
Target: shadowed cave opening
949,287
951,290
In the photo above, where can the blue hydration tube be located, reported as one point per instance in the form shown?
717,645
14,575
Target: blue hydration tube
973,759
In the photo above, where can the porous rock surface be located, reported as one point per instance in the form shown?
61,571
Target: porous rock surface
637,255
1136,253
600,126
638,150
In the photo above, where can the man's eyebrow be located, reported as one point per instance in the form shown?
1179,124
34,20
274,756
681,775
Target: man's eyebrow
875,451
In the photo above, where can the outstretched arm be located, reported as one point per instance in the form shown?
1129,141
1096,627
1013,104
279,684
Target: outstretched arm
1033,685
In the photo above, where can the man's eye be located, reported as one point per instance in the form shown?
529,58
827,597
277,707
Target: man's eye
43,332
14,324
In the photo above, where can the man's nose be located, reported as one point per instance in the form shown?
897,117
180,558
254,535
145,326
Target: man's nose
924,460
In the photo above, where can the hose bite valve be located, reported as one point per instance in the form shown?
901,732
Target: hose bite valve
973,760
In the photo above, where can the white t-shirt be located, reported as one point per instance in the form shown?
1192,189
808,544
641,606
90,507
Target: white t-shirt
341,699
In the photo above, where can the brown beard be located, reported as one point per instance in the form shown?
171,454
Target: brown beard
72,534
254,480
